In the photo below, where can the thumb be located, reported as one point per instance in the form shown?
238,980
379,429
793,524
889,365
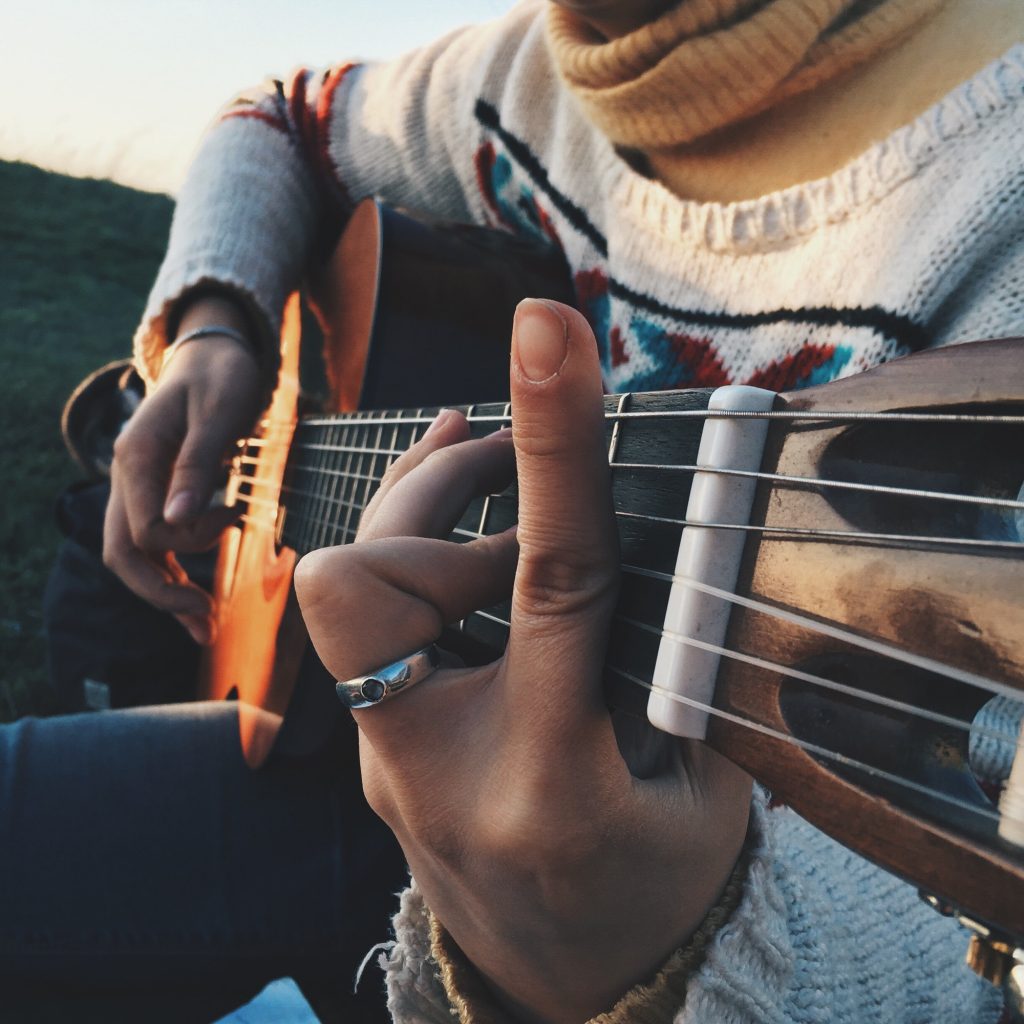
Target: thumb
199,467
567,537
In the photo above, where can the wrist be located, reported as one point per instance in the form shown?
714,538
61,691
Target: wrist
205,316
475,1000
207,331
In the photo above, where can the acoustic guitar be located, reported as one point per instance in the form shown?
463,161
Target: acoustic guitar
824,585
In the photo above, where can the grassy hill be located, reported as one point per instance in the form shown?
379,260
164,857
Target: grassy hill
77,258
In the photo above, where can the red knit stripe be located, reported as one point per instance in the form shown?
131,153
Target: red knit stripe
784,374
305,125
323,114
700,357
483,163
618,348
590,285
257,115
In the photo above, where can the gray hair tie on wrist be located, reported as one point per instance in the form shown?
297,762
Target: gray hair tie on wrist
196,333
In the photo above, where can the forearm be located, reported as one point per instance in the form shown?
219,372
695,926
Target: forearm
245,222
279,170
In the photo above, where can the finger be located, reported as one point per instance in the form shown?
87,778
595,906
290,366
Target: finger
143,456
189,538
449,427
429,499
160,581
568,565
199,466
366,605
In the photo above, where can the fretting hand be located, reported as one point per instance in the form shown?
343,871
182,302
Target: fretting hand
563,878
169,460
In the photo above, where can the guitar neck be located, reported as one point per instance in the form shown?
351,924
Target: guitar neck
849,701
337,463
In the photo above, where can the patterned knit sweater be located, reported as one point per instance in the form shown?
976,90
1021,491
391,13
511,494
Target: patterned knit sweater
918,242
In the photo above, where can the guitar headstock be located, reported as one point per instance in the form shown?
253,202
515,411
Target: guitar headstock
899,654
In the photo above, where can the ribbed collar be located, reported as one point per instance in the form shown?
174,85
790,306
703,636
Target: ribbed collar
706,64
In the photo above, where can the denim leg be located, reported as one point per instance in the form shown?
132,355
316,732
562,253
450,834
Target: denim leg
136,848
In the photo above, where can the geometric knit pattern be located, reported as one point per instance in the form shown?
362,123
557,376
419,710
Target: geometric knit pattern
808,284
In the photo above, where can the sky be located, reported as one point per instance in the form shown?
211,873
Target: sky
123,89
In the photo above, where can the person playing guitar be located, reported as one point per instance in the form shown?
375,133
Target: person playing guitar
775,193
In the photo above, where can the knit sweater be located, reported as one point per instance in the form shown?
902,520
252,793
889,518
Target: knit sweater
917,242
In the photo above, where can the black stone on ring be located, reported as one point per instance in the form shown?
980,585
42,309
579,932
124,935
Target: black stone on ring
384,683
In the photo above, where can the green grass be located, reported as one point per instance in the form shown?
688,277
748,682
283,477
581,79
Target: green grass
77,258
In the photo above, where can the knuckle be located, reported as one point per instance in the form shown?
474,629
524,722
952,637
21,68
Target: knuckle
556,582
395,471
146,536
112,558
439,459
314,574
135,449
125,446
379,797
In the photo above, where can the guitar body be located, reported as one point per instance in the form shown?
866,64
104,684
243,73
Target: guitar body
257,646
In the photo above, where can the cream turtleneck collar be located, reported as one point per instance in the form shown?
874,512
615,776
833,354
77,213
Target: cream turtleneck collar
706,64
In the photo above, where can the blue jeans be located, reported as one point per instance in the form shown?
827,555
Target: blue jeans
147,874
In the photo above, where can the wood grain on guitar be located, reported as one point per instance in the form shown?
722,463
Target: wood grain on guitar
957,606
259,637
886,531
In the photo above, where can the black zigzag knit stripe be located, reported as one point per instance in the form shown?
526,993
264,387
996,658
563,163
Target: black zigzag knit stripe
902,329
488,117
910,334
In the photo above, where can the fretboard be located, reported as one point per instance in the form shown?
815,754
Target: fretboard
337,462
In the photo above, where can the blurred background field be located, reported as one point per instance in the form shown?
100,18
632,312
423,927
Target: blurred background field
77,257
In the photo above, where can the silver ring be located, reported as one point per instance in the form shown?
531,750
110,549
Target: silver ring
365,691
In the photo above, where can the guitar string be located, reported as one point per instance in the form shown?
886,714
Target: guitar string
813,748
822,682
808,481
818,419
930,792
812,625
796,481
377,417
862,536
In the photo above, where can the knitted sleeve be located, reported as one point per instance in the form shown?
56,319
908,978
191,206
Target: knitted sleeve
281,167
